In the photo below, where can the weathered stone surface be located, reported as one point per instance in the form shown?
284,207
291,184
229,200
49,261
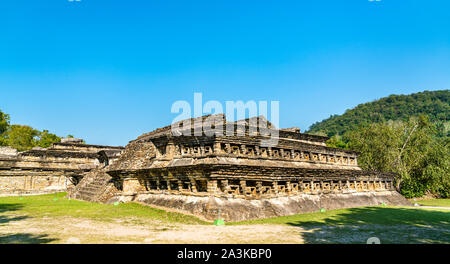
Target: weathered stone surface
242,209
95,186
57,168
72,140
291,129
8,151
200,173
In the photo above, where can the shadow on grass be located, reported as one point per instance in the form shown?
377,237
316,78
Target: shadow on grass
6,208
24,238
6,219
390,225
10,207
18,238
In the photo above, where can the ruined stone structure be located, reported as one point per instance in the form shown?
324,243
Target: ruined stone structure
204,174
204,171
57,168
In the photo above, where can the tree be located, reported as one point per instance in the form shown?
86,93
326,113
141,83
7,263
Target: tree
436,168
21,137
4,124
411,150
376,143
46,139
337,141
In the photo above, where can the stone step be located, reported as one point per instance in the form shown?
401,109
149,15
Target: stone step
98,183
91,188
86,192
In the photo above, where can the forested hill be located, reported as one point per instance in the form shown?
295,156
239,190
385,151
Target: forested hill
435,104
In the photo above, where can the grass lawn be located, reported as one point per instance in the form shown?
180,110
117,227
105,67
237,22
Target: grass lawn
390,224
58,205
374,215
434,202
55,219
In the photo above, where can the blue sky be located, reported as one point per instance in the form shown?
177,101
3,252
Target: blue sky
108,71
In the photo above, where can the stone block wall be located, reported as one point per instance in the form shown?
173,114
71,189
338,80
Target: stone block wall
34,184
55,169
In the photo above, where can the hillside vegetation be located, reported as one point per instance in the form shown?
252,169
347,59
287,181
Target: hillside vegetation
435,104
407,135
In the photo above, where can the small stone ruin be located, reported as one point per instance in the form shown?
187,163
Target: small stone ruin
55,169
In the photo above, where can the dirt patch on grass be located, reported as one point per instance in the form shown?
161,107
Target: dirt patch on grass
82,230
17,228
250,234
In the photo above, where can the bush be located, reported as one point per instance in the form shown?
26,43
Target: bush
411,188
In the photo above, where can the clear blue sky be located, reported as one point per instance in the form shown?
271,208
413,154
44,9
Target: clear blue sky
108,71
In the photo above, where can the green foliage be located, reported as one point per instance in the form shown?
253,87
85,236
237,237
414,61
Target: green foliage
411,188
337,141
4,122
376,143
435,104
404,134
25,137
412,150
21,137
46,139
436,166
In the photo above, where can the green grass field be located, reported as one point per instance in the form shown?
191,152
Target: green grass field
58,205
434,202
390,224
354,225
374,215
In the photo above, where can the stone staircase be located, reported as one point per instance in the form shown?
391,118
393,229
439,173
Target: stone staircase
96,186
